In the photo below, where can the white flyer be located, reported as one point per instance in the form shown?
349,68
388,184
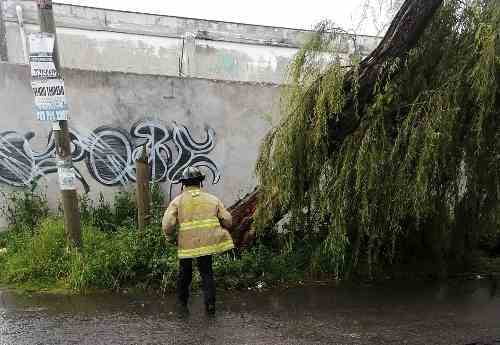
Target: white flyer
41,43
48,87
42,67
67,178
50,100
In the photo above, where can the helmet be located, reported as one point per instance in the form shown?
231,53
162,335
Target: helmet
192,174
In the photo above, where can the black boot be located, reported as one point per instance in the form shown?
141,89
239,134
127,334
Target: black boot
182,310
183,283
210,308
208,283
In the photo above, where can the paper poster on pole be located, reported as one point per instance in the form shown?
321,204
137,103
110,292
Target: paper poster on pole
48,87
42,67
50,100
67,176
42,43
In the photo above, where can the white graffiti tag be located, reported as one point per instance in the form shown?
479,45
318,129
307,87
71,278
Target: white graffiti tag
109,154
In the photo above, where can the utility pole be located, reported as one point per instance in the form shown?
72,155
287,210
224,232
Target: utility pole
62,138
143,195
3,36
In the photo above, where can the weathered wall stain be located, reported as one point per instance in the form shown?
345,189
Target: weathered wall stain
109,154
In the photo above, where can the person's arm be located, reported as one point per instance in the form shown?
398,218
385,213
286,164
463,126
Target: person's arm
169,221
224,216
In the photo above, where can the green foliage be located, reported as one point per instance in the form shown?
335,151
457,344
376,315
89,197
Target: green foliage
128,258
158,204
107,216
107,260
38,257
124,258
111,216
4,236
115,255
259,264
23,210
418,178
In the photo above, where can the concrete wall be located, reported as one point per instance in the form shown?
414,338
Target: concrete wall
107,40
113,113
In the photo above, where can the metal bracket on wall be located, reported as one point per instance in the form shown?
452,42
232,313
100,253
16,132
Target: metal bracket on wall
186,58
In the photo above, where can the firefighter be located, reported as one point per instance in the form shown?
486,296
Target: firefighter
203,224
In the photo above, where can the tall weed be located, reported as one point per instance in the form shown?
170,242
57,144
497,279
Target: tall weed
24,210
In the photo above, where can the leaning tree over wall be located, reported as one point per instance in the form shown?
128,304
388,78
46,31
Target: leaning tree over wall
392,157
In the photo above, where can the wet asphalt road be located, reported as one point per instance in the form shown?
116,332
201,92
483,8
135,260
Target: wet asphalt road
454,312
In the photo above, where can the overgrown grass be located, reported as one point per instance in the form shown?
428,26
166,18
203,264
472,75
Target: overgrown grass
24,210
107,261
128,258
36,257
116,255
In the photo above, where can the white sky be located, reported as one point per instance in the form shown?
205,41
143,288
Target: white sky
287,13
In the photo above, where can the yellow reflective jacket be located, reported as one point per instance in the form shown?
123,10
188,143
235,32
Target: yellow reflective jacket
202,221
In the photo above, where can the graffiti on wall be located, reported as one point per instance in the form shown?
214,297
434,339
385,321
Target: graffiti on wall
109,154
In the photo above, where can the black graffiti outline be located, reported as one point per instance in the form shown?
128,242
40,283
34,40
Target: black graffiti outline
193,153
155,137
109,154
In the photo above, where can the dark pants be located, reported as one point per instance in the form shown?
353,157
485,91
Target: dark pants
204,264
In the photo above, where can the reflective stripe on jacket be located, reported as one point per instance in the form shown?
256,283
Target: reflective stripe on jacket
202,221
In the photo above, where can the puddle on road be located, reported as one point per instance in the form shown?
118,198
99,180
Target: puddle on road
451,312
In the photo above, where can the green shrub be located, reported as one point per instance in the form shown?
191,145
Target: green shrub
116,255
125,258
38,257
128,258
125,209
4,237
24,209
107,260
157,204
260,264
106,216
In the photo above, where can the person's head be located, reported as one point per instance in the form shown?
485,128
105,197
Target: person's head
192,177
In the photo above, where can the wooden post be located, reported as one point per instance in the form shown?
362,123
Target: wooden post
3,36
143,195
62,138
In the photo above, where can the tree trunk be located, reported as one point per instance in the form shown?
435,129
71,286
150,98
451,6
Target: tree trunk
242,212
403,34
143,195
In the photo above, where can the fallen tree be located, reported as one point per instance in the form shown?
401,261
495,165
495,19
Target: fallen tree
396,156
402,35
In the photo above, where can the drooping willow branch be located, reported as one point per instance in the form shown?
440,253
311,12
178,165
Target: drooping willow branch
402,35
